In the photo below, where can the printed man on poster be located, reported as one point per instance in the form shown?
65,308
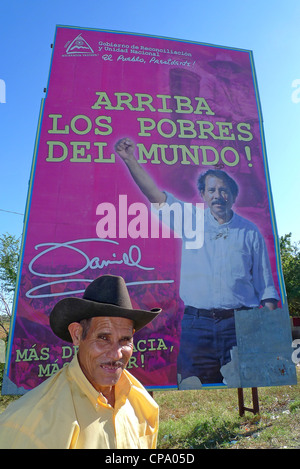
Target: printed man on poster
231,271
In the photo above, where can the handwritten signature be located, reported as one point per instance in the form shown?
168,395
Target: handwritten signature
132,258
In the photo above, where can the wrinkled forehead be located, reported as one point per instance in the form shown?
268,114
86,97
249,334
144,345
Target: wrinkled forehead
110,324
214,181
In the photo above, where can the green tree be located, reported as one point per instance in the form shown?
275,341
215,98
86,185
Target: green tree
290,260
9,260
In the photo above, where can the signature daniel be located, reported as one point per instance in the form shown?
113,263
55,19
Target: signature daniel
132,258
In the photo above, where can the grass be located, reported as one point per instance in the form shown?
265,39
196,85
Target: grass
209,419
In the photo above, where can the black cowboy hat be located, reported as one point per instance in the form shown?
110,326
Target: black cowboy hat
105,296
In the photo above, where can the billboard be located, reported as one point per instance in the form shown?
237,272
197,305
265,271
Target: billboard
150,163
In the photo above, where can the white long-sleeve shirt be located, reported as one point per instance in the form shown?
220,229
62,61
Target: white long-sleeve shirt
230,270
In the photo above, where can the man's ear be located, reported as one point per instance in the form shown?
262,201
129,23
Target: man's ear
75,330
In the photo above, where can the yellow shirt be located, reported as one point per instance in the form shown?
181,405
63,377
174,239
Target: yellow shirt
66,412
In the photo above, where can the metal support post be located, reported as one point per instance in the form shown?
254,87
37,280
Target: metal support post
242,407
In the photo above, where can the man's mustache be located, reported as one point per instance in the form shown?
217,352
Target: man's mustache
113,364
219,202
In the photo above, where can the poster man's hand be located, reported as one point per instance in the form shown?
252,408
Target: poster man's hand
125,148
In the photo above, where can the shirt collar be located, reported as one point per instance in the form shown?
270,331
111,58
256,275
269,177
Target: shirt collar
122,387
214,222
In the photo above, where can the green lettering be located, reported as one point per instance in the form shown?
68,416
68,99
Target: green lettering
224,128
161,345
164,98
54,129
203,106
108,127
206,127
248,135
21,356
164,157
123,98
138,345
144,100
169,122
44,370
187,129
44,354
103,100
101,158
235,153
194,157
88,122
132,362
56,158
148,154
66,351
144,130
204,150
183,105
79,153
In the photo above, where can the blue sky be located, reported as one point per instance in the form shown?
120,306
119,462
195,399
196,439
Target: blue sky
269,29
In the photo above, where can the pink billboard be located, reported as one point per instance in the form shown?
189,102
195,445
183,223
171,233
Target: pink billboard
150,163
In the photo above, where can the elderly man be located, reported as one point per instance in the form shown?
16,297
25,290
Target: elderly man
92,402
231,271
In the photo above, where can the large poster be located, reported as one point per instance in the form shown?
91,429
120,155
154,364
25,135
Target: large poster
150,163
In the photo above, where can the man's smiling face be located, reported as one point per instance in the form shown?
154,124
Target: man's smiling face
105,351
